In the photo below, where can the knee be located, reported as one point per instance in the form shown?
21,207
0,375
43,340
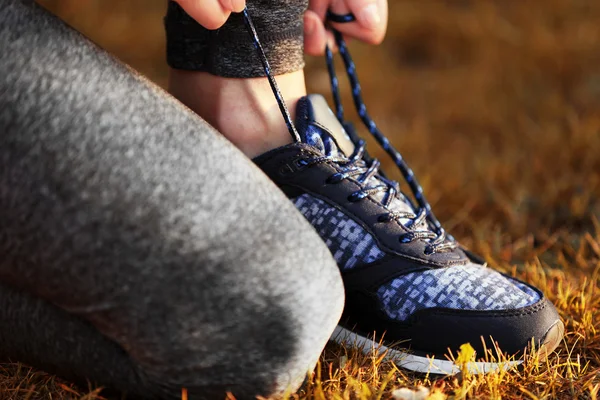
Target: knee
256,325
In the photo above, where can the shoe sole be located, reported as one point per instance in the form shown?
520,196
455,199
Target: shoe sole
430,365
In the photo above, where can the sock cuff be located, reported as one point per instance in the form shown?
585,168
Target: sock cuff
229,51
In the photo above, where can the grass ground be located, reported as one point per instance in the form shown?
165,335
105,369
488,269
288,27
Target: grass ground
496,105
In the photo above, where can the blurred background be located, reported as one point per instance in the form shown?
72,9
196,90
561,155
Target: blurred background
495,104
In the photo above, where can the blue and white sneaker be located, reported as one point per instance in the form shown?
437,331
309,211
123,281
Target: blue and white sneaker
403,278
411,289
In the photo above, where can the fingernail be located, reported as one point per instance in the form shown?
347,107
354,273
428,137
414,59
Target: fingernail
309,26
238,5
234,5
369,16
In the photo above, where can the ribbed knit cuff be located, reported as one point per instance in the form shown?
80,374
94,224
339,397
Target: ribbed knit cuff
229,51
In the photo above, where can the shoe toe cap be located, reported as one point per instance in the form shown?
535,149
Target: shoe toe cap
435,331
434,311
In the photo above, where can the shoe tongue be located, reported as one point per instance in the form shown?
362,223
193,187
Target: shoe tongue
319,127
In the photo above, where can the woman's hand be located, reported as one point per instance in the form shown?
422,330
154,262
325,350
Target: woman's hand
370,25
211,14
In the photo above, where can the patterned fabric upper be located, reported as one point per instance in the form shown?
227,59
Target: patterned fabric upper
349,243
468,287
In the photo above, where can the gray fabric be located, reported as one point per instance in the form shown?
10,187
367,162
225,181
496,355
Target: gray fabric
229,51
140,238
35,332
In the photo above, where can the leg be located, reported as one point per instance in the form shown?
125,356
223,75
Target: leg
126,211
38,333
219,75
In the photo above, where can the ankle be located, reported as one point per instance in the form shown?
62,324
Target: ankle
243,110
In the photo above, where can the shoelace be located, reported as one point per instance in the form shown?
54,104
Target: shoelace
439,241
355,166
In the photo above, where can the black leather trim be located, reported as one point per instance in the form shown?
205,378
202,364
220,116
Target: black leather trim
369,277
291,191
436,330
473,257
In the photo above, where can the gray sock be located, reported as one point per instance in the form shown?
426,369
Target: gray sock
229,51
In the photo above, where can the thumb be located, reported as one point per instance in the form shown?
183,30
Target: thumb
211,14
315,35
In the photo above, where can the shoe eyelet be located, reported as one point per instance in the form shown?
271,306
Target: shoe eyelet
335,178
384,218
301,163
428,251
357,196
405,238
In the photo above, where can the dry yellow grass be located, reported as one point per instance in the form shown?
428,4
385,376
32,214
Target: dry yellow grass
496,105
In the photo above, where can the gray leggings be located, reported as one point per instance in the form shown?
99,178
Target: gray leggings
138,248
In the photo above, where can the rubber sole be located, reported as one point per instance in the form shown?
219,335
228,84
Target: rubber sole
429,365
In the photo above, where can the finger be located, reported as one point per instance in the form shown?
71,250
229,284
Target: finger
319,7
315,35
233,5
209,13
331,41
367,13
371,19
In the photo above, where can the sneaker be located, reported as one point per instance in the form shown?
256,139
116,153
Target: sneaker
408,291
411,290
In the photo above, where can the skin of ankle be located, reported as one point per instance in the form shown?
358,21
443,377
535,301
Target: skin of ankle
244,110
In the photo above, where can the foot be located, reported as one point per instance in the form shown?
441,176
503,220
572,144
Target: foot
420,293
243,110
